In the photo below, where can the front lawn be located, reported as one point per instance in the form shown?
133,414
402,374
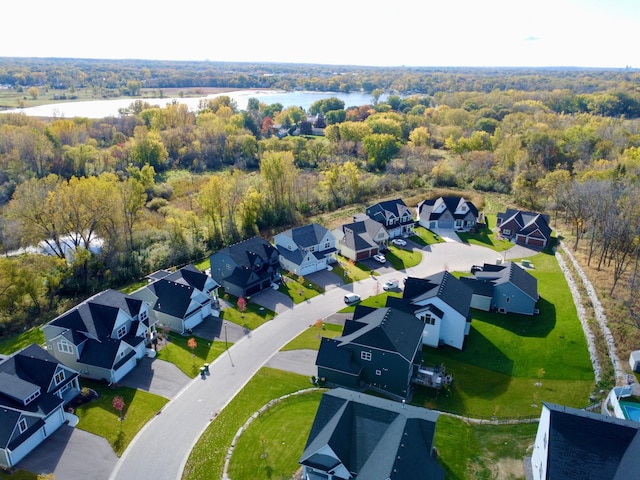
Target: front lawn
401,259
512,362
273,443
177,351
485,237
424,237
18,342
207,457
100,418
253,316
310,338
350,271
377,300
299,289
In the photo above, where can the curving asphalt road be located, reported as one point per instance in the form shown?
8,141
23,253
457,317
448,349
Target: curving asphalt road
161,448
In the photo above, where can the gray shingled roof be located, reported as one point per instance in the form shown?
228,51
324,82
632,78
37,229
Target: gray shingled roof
590,446
443,285
374,438
510,272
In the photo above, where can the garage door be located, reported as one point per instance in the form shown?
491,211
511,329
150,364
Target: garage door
536,242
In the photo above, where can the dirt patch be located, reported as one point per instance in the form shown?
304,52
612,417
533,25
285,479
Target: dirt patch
509,469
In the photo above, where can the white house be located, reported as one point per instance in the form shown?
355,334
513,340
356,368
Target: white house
443,303
305,250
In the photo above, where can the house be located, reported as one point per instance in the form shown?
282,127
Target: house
507,288
442,303
103,337
380,348
577,444
34,387
306,250
450,213
634,361
525,228
358,436
246,268
361,239
180,300
394,215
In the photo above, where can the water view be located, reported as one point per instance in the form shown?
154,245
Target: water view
109,108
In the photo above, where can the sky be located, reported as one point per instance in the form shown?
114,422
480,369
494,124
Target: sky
520,33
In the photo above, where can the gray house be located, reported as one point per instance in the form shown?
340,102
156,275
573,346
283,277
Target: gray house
394,215
103,337
34,387
359,436
361,239
181,300
450,213
247,267
307,249
381,348
507,288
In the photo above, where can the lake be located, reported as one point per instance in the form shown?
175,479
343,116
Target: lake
110,108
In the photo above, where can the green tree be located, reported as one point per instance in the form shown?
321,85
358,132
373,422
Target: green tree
147,148
380,147
278,173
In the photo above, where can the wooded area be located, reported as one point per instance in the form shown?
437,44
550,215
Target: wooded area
165,186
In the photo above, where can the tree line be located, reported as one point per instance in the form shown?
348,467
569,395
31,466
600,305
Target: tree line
162,186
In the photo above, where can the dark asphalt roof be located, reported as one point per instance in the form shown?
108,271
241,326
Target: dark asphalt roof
443,285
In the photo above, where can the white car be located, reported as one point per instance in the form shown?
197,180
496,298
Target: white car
390,285
399,242
380,258
351,298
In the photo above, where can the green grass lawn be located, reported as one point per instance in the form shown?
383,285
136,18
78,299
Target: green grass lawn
18,342
310,338
401,259
177,351
299,288
207,458
252,318
482,452
512,362
485,237
424,237
350,271
99,416
273,443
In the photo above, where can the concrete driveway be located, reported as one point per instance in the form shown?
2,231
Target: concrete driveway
70,454
325,279
302,362
274,300
156,376
447,235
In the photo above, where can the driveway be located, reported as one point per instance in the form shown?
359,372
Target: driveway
156,376
274,300
447,235
325,279
215,328
71,453
302,362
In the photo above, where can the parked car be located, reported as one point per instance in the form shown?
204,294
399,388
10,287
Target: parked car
380,258
351,298
390,284
398,242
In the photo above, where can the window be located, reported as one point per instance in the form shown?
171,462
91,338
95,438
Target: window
59,378
378,372
508,299
143,315
365,356
22,425
312,248
32,397
65,347
122,331
506,231
327,245
428,319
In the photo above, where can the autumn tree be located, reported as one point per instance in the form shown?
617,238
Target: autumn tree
278,174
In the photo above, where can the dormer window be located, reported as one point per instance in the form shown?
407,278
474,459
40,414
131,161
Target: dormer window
22,425
65,347
59,378
121,332
143,315
32,397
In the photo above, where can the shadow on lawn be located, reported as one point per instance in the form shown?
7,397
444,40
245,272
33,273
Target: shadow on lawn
538,326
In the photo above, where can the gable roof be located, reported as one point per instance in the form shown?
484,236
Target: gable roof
306,236
97,315
385,329
173,298
509,272
383,211
585,445
528,222
452,205
360,235
372,438
248,252
442,285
